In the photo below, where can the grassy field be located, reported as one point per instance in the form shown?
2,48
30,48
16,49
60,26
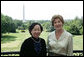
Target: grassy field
13,41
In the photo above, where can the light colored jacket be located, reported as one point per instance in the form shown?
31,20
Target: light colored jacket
64,45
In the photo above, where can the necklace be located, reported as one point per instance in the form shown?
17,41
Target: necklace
36,41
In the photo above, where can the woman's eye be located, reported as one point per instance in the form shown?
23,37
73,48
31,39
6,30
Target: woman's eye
59,21
55,22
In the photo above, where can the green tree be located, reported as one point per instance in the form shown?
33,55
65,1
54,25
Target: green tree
7,24
81,31
13,28
74,30
18,23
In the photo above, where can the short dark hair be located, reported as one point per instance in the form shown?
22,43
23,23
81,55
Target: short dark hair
32,26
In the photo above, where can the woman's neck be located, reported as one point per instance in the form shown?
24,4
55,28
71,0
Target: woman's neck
37,39
59,31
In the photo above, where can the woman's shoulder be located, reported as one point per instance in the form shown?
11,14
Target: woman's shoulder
67,33
27,43
51,33
42,39
28,39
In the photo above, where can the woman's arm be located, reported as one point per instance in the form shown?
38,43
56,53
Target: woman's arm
70,46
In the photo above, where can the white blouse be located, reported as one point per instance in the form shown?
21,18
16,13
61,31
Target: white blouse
64,45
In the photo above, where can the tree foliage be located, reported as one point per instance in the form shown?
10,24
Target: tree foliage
74,26
7,24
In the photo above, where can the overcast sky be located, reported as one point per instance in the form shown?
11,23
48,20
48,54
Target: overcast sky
42,10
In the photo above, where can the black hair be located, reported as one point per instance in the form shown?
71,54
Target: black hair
32,26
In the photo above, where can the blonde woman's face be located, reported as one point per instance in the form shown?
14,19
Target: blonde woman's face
36,31
58,24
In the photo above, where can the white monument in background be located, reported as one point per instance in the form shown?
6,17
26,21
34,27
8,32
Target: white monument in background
24,13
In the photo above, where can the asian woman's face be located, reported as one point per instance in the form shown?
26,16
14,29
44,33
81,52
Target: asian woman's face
36,31
58,24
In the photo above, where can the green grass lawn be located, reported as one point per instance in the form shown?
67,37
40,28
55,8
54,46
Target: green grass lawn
13,41
78,42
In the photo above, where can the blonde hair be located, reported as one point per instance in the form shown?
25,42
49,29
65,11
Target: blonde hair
57,17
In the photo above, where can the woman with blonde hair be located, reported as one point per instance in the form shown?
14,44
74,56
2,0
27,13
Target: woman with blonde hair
59,42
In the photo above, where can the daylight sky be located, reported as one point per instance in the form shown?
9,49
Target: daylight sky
42,10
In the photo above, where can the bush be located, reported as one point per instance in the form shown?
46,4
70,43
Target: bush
22,30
